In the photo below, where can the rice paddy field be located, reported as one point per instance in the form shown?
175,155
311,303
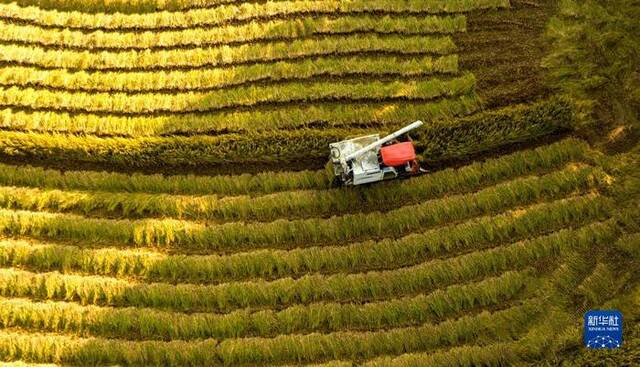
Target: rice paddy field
164,199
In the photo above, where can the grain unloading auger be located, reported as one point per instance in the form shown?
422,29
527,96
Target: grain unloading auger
367,159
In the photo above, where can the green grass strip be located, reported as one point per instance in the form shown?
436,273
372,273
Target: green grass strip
243,96
296,204
226,55
211,78
234,237
145,324
260,294
277,29
499,325
245,12
476,234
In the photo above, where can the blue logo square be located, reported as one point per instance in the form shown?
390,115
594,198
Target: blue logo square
603,329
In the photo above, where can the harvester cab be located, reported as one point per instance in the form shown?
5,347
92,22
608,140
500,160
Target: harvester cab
367,159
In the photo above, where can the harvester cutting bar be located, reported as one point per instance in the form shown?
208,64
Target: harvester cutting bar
381,141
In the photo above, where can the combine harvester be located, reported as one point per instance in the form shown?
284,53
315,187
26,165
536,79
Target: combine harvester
368,159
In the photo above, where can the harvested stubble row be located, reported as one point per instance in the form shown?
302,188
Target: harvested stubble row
226,55
293,204
145,324
330,114
231,13
281,293
234,237
290,93
472,235
216,78
278,29
499,325
482,41
496,41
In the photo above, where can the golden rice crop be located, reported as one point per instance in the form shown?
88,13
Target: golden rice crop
244,12
498,325
225,55
214,78
276,29
472,235
564,151
422,90
287,117
259,294
293,204
145,324
233,237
